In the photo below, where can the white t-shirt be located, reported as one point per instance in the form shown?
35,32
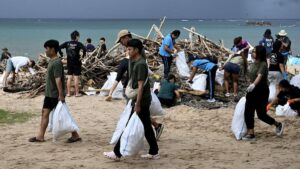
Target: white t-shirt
20,61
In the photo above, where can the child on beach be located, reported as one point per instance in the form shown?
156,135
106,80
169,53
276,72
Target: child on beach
54,90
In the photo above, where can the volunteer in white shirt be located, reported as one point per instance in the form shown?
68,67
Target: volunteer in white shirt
14,64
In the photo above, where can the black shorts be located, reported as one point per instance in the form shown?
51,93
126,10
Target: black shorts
50,103
232,68
74,69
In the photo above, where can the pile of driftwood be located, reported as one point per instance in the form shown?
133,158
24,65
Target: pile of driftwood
96,67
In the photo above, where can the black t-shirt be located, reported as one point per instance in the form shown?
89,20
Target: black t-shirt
123,69
284,96
275,60
73,51
103,48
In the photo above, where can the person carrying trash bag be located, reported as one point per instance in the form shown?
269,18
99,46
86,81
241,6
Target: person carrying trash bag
257,95
138,89
54,91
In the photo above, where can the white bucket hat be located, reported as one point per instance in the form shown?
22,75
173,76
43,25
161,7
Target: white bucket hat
282,33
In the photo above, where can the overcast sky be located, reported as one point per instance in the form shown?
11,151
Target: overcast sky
181,9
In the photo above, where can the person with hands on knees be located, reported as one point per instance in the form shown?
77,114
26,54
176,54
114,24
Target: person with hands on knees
54,90
138,79
258,94
287,93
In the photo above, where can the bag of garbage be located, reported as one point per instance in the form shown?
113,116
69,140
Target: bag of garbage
285,110
295,81
155,107
118,93
220,77
181,65
238,125
62,121
132,139
199,82
124,117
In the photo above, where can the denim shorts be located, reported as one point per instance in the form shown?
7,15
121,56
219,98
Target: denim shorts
232,68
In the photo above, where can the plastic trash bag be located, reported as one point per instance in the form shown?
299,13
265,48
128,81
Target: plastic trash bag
238,125
62,121
199,82
118,93
132,139
274,78
181,65
295,81
124,117
293,60
220,77
155,107
285,110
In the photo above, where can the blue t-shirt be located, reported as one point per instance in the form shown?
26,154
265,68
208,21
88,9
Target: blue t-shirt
168,41
203,64
267,43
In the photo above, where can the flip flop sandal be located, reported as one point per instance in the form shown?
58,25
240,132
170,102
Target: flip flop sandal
34,139
73,140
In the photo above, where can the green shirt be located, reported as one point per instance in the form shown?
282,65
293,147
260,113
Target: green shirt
139,72
167,90
55,70
259,68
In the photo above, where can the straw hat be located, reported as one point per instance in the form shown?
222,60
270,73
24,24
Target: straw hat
282,33
121,34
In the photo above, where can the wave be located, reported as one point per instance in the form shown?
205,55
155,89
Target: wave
184,20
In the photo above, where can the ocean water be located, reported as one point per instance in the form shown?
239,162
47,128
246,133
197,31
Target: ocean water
27,36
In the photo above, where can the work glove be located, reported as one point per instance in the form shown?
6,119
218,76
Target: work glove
269,107
251,87
291,101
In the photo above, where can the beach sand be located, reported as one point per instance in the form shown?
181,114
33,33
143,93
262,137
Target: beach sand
192,139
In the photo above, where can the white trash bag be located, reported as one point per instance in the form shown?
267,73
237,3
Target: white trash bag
238,125
220,77
199,82
155,107
272,94
132,139
118,93
295,81
285,110
181,65
62,121
124,117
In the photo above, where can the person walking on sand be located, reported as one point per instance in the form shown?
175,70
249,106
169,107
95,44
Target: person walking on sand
124,36
138,74
54,91
258,94
73,48
167,49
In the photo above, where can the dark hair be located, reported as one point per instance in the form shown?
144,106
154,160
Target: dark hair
285,84
74,34
176,33
52,44
268,33
32,63
237,40
102,38
170,77
261,53
89,40
136,43
276,46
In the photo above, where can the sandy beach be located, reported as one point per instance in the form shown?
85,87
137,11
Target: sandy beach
192,139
